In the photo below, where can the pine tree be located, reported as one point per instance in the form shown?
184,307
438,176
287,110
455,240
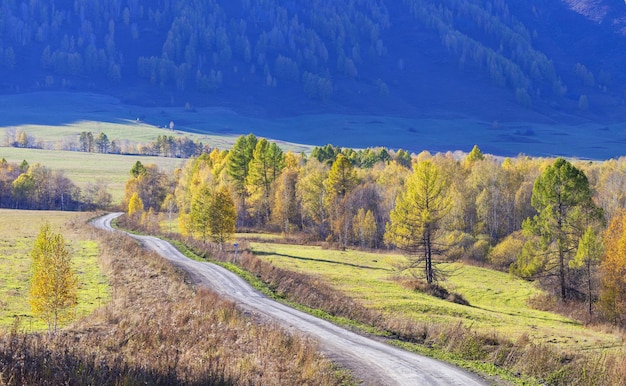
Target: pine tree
237,168
266,165
562,198
53,285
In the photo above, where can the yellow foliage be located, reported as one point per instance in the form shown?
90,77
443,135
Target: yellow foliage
53,286
613,270
135,205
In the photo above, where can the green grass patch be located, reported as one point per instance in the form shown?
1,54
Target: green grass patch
18,230
497,300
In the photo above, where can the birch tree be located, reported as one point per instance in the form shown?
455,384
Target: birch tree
53,283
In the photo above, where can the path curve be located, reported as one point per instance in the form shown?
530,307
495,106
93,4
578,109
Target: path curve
370,360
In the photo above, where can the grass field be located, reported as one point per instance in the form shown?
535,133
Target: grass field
82,168
498,301
18,230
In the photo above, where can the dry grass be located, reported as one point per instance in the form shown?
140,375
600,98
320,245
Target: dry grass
158,330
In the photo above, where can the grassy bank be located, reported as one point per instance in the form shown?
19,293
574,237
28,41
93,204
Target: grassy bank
18,230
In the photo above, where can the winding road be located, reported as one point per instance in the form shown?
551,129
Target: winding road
371,361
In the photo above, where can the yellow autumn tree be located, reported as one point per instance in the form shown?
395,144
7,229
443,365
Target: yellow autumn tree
53,283
612,300
415,222
364,228
135,205
222,216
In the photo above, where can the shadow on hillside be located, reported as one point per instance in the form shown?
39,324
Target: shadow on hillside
320,260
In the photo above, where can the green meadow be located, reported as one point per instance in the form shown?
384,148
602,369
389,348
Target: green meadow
498,301
18,230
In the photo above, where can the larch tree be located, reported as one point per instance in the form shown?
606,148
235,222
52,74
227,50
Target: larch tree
53,283
286,212
311,192
342,178
416,218
562,197
474,155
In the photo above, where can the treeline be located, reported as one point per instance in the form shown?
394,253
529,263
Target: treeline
87,141
24,186
493,211
163,146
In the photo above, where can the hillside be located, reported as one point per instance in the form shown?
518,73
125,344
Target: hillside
543,62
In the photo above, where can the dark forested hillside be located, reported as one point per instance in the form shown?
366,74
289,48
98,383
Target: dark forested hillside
288,56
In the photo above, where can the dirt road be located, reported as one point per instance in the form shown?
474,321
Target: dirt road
373,362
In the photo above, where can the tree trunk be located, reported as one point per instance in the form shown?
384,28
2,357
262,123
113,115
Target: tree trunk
428,255
562,273
589,286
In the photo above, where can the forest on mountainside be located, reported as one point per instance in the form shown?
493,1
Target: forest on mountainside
349,52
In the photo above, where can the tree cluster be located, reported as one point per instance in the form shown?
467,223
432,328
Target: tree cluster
163,146
24,186
541,219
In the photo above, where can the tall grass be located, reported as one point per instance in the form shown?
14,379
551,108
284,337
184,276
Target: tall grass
520,360
157,329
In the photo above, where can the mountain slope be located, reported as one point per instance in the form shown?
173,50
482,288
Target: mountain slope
496,60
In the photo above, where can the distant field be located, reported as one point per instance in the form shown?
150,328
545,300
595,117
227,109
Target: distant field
82,168
497,300
54,115
18,230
